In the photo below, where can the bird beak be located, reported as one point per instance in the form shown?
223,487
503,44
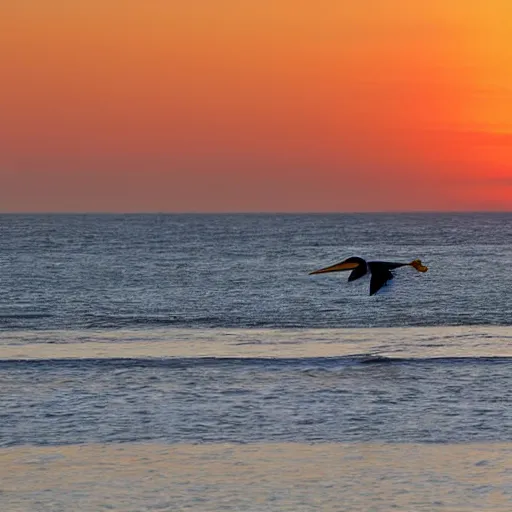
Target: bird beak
336,268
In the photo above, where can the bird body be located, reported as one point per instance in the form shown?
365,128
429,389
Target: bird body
380,271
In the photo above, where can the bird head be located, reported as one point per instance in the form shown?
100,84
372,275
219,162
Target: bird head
418,266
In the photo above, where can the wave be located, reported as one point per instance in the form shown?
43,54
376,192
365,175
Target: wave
247,362
204,322
120,321
46,321
24,316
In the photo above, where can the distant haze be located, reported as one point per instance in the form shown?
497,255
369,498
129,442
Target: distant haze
260,105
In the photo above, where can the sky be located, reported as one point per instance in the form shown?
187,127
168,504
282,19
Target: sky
255,105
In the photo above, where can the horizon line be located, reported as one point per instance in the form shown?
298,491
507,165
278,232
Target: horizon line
251,212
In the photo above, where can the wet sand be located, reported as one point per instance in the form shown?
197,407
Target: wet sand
258,477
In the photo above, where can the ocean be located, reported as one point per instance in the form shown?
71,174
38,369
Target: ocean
190,362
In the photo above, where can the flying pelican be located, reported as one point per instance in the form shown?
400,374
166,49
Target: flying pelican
379,270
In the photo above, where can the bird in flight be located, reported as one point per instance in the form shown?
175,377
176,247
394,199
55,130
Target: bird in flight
380,270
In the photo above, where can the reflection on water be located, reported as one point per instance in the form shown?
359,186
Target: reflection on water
258,477
422,342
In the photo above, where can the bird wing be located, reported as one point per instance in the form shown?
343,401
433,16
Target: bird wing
380,276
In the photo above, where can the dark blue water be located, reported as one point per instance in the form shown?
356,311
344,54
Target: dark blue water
352,399
205,328
138,271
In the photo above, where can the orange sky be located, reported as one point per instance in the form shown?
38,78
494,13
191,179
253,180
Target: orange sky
260,105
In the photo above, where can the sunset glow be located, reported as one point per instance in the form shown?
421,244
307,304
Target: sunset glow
268,105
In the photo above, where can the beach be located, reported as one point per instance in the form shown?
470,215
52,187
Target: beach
283,476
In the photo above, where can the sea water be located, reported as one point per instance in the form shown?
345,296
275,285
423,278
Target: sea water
189,362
